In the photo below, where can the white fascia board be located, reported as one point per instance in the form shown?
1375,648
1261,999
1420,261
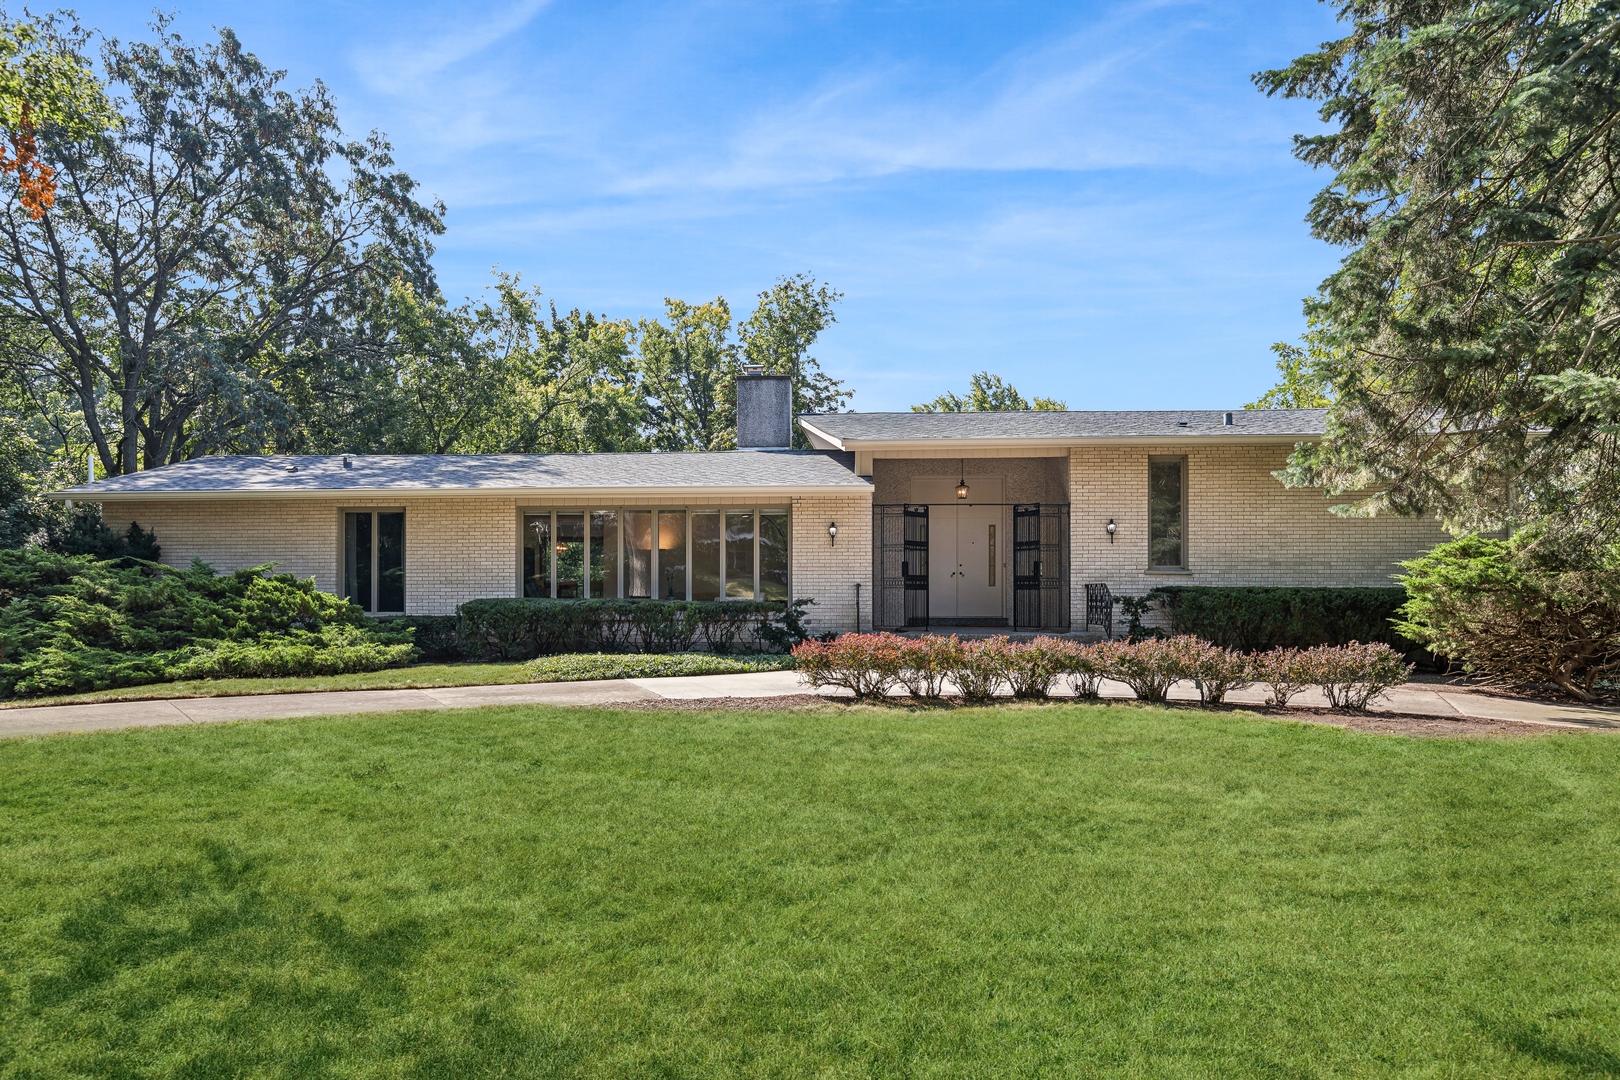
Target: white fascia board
615,495
890,445
818,438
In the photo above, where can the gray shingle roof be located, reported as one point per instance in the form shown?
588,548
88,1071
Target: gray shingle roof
784,472
1058,426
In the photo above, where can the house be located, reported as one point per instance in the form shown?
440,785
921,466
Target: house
893,520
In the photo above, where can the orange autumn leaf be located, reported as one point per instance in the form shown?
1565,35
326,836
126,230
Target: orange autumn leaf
36,181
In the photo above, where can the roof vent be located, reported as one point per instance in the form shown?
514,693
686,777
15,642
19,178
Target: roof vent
1181,423
292,468
346,456
1228,419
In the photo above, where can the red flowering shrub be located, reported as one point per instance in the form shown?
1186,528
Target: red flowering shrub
1148,667
929,661
982,667
1216,670
1354,675
1033,666
867,665
1284,671
1083,668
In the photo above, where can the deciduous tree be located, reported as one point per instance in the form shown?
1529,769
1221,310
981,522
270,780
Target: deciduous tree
989,393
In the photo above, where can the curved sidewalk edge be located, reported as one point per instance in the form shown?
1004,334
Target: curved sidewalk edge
1423,699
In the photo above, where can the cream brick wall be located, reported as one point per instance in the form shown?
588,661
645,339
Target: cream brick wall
456,549
1243,526
827,573
467,548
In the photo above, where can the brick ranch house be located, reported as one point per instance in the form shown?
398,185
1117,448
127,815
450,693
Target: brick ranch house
894,520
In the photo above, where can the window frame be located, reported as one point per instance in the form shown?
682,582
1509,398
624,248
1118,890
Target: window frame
376,539
687,509
1185,565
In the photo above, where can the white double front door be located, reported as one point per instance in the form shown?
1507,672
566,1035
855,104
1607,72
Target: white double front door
966,562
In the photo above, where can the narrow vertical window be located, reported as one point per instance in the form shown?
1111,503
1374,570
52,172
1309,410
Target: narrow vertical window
604,553
357,559
537,555
705,554
672,554
391,562
740,554
374,560
570,548
1167,511
638,547
992,556
773,554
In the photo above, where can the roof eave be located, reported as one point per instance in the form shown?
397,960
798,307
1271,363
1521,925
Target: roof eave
616,493
1004,442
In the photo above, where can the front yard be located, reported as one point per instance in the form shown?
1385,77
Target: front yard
1068,890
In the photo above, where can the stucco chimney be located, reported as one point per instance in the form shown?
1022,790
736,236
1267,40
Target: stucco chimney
764,409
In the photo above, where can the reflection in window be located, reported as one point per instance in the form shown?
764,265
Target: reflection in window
391,562
705,554
773,554
740,554
357,559
672,554
1166,509
638,526
604,553
374,560
537,555
570,548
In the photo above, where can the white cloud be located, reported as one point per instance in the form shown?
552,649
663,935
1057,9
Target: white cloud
405,64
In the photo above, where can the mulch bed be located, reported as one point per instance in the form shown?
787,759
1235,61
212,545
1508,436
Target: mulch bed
1377,723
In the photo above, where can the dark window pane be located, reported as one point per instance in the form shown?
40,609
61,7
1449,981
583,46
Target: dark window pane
571,556
773,554
390,562
1165,511
706,555
357,559
537,555
604,553
740,554
638,527
672,554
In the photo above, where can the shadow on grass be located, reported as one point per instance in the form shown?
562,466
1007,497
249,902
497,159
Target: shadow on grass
1586,1057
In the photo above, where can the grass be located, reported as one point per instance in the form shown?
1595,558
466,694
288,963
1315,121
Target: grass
1045,891
402,678
575,667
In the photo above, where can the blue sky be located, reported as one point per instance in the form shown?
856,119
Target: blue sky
1089,199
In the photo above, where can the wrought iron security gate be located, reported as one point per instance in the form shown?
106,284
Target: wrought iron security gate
900,565
1041,566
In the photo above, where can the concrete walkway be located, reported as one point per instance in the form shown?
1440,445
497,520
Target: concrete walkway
1424,699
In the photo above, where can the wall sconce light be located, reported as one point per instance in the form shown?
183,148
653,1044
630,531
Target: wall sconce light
832,532
1111,528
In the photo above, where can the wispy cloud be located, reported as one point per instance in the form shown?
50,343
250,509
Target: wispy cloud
406,63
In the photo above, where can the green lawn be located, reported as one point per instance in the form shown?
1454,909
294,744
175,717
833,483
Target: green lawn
1038,891
424,675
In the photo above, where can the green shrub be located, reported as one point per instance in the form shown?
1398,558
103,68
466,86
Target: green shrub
338,650
436,637
1520,615
1253,619
75,623
577,667
521,628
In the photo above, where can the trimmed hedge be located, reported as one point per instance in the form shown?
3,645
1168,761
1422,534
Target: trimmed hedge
1254,619
520,629
869,666
577,667
436,637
